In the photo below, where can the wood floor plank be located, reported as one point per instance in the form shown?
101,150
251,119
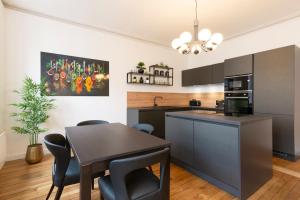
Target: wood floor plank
20,181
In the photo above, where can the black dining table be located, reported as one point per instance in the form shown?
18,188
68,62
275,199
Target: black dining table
95,146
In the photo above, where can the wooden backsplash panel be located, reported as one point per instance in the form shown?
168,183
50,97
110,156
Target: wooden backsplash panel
141,99
208,99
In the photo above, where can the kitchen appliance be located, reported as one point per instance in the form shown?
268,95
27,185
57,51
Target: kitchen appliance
195,102
220,104
238,103
240,83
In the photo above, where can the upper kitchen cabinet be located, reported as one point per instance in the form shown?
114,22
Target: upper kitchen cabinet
197,76
211,74
274,81
189,77
204,75
218,73
238,66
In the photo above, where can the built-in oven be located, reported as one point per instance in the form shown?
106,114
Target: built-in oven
241,83
238,103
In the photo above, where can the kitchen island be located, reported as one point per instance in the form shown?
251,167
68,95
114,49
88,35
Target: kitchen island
233,153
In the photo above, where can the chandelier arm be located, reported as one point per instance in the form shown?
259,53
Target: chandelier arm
196,10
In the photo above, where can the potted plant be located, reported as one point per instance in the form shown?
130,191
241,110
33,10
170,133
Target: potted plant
32,112
141,67
161,64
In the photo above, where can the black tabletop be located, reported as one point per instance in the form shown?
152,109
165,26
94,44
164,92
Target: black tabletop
104,142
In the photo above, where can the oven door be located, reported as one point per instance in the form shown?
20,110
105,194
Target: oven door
238,83
238,105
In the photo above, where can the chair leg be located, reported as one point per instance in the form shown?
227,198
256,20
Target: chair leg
101,197
93,184
150,168
50,191
58,193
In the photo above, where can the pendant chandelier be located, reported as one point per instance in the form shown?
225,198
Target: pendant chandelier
203,40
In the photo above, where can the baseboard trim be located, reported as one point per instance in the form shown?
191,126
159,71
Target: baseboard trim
18,156
286,171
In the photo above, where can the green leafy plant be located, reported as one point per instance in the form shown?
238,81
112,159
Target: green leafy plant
33,109
161,64
141,65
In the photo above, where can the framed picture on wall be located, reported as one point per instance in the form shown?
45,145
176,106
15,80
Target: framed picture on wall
74,76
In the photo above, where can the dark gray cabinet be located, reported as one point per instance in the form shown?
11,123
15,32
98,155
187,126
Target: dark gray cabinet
238,65
275,94
180,133
283,133
203,75
197,76
274,81
236,158
211,158
218,73
189,77
155,117
211,74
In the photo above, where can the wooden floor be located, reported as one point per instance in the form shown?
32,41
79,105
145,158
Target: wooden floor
19,181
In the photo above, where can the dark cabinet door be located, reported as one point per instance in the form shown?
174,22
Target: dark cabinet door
274,81
157,119
218,73
197,76
204,75
238,66
283,134
216,145
180,133
189,77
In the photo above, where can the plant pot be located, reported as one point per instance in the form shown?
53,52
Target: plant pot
34,153
141,71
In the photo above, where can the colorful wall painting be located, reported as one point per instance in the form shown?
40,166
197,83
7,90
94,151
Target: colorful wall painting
74,76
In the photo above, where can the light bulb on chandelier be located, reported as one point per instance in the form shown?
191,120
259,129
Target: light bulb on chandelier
203,40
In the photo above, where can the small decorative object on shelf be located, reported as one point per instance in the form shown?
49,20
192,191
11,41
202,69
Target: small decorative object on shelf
141,80
159,74
147,80
141,67
134,80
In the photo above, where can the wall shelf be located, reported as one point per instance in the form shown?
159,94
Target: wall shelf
157,75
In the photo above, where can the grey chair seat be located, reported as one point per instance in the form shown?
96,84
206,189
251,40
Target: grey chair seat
139,183
72,174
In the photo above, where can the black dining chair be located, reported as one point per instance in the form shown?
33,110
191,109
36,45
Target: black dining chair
129,179
65,169
92,122
147,128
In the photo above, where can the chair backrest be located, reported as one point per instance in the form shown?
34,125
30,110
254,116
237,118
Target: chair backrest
121,167
147,128
92,122
57,145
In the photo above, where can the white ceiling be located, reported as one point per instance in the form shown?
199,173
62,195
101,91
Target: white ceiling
160,21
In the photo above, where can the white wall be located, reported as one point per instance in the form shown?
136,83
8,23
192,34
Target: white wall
2,104
1,66
27,35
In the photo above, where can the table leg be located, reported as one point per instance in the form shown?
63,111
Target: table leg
168,175
85,182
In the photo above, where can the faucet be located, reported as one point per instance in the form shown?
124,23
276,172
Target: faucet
154,100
